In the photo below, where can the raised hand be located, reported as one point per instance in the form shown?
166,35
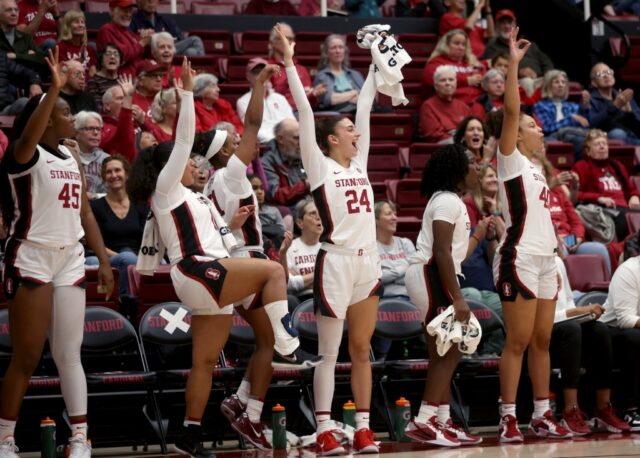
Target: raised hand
126,84
267,72
288,46
187,75
58,69
517,48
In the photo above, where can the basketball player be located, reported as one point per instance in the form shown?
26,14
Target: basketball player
524,267
432,283
44,200
205,279
231,190
347,272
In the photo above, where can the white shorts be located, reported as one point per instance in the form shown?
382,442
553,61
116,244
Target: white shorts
533,276
341,280
198,283
34,264
255,300
426,290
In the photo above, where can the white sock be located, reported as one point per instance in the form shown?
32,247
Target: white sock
507,408
323,420
188,421
427,410
79,428
7,428
254,409
443,413
362,419
540,406
244,391
286,337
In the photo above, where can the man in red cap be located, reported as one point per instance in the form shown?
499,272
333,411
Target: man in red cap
150,75
117,32
534,64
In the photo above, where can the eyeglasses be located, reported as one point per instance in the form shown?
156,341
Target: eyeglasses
153,75
112,53
96,130
602,73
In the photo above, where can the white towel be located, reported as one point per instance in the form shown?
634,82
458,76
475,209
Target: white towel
447,331
152,248
388,57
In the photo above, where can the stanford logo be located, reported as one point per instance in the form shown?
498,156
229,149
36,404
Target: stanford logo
213,274
506,289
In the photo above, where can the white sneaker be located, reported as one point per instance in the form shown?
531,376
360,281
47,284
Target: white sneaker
8,448
79,447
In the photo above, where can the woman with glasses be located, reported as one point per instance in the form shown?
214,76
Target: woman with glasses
108,63
210,108
88,125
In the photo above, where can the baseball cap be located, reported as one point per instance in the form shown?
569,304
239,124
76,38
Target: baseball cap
149,66
121,3
505,13
254,62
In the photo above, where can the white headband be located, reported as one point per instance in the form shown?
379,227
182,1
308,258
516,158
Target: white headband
218,140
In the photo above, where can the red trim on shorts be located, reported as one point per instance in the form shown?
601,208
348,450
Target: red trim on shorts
80,281
201,281
375,289
321,256
427,285
515,275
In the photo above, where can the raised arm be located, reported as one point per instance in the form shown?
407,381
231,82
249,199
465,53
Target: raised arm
510,125
363,114
171,174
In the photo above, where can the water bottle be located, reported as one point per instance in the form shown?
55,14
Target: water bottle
279,425
403,416
349,413
48,438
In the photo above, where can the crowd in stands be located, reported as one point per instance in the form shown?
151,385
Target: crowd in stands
122,90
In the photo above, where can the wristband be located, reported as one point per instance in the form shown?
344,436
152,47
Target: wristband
475,236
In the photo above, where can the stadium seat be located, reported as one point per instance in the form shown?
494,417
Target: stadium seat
626,154
418,45
235,68
68,5
592,297
406,195
413,71
561,155
391,127
354,49
216,42
241,5
252,42
308,43
587,272
384,162
409,227
231,92
412,91
95,298
635,179
419,154
219,8
151,290
633,221
165,8
202,64
96,6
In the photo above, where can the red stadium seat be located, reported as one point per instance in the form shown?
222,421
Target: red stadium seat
228,9
354,49
165,8
633,221
406,195
236,69
308,43
626,154
253,42
231,92
384,162
409,227
68,5
96,298
215,41
151,290
419,154
636,181
201,64
391,127
241,5
412,91
561,154
587,272
96,6
418,45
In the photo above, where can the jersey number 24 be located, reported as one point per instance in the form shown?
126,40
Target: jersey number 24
355,203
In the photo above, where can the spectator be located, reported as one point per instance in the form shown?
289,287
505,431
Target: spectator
271,8
121,222
73,90
163,51
412,8
147,18
312,7
562,120
117,32
472,134
453,49
145,140
454,19
500,62
441,113
299,260
283,165
150,75
276,106
279,80
363,8
613,110
88,125
39,18
210,108
118,136
73,44
622,6
604,181
493,96
164,111
18,45
200,173
622,314
342,82
534,64
12,75
587,344
109,59
270,217
394,251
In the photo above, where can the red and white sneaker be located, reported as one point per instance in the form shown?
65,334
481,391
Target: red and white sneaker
430,433
252,432
463,436
508,430
364,441
607,419
327,445
576,422
547,426
232,407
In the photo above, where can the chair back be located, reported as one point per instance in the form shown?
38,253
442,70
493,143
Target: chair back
303,319
398,320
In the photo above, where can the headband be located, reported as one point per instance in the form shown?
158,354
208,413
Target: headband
220,136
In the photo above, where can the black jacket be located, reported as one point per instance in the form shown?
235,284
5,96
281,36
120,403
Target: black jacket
12,75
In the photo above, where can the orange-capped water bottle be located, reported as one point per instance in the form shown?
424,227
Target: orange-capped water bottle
47,438
349,413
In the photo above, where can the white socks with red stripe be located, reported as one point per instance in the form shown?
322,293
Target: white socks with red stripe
254,409
507,408
540,406
286,337
79,428
244,391
7,428
362,419
427,410
444,413
323,422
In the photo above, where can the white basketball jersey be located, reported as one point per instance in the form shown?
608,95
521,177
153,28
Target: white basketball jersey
229,188
444,206
525,207
188,229
345,203
48,197
301,259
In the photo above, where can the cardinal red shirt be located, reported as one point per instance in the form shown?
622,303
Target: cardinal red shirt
600,179
48,27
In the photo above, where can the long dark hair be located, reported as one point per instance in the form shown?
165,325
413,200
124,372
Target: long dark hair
145,171
446,168
324,128
461,129
6,196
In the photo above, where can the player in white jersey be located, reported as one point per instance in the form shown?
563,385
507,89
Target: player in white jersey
231,191
432,283
524,265
347,273
205,278
45,202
